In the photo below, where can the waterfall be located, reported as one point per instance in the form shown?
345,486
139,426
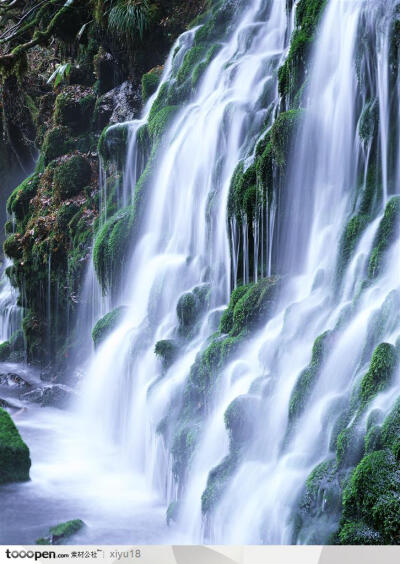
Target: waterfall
10,312
183,244
290,389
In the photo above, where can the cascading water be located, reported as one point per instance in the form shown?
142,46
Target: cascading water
10,312
231,458
183,243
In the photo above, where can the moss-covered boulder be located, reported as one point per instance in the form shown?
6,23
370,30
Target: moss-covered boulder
15,461
150,82
308,377
167,350
380,373
217,482
71,176
240,420
18,202
62,532
190,307
74,108
389,229
106,325
57,142
372,499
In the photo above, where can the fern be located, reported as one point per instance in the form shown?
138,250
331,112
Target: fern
129,18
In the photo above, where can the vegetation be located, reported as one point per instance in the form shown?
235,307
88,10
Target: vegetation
15,461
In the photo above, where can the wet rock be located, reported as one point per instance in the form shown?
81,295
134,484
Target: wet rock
54,396
120,104
60,533
15,381
15,461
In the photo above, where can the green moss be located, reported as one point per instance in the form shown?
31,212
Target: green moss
372,497
255,306
14,454
380,373
348,242
74,110
150,82
57,142
308,377
60,533
369,120
107,324
183,447
200,68
387,233
118,233
373,439
226,323
18,202
391,429
217,483
5,351
322,491
190,307
292,73
112,144
71,176
12,247
159,122
167,351
110,248
192,57
382,322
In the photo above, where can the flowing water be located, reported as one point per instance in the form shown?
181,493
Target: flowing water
350,125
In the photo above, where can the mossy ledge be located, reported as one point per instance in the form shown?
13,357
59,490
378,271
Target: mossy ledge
15,461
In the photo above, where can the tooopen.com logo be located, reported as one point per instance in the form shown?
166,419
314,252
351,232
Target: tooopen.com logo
32,554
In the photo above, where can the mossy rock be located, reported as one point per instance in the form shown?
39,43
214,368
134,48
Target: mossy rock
217,482
372,497
308,377
167,350
12,247
190,307
62,532
349,240
71,176
15,461
240,420
387,233
74,110
254,306
159,122
110,247
113,144
380,373
57,142
292,73
18,202
150,82
107,324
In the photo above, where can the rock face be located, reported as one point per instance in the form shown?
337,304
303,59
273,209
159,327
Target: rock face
54,396
15,461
